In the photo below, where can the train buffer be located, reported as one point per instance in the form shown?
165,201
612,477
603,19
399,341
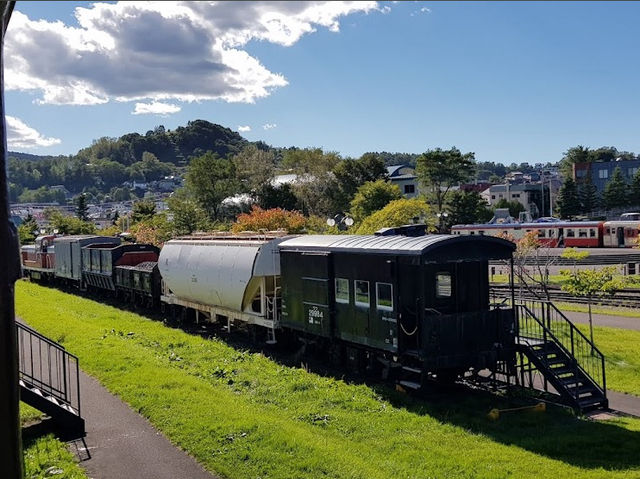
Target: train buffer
555,355
49,379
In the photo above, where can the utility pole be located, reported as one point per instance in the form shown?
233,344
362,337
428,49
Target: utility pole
11,450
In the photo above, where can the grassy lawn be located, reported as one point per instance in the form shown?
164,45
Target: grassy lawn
46,456
632,282
622,361
583,308
243,415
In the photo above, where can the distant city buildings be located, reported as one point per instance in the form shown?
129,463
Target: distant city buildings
601,172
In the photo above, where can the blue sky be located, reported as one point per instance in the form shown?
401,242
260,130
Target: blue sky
512,82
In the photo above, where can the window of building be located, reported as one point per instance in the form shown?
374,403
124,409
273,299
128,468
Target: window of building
409,189
342,290
515,195
602,173
443,285
384,296
570,233
582,233
362,293
632,171
581,174
493,197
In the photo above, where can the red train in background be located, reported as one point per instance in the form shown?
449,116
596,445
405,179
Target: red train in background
565,234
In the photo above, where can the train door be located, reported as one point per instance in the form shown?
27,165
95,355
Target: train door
317,293
410,302
620,236
560,237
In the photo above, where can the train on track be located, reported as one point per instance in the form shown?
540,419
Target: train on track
415,306
564,234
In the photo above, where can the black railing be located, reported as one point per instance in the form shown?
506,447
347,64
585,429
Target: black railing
540,322
46,365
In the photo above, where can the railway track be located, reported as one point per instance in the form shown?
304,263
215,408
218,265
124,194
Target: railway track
628,298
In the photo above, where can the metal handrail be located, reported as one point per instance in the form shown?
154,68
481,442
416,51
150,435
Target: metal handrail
47,365
578,342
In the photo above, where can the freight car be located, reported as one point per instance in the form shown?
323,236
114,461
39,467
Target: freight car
415,305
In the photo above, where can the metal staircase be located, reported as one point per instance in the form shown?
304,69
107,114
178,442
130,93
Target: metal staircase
548,343
49,378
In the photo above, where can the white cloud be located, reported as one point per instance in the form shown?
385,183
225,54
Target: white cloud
21,135
155,108
244,128
425,10
269,126
386,9
154,51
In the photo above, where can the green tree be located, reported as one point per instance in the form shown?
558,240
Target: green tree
67,225
28,230
515,207
143,210
467,207
373,196
397,213
589,198
590,283
568,201
616,191
210,180
254,167
188,215
352,174
281,196
634,191
82,208
577,154
310,161
439,170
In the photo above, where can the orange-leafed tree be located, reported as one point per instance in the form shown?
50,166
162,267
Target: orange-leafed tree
269,220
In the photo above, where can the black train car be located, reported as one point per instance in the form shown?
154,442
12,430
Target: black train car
139,284
422,299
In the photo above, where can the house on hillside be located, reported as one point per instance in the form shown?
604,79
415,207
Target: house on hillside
404,176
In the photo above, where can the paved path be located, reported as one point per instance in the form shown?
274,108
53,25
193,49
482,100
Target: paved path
626,403
622,322
124,445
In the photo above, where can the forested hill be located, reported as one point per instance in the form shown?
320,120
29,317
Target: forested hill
109,162
171,146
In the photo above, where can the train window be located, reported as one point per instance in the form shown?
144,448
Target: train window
551,233
570,233
541,234
362,293
384,296
608,230
592,233
443,285
582,233
481,233
342,290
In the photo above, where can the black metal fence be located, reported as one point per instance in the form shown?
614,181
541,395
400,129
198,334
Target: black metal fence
47,366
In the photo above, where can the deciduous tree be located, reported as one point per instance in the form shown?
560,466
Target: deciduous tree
269,220
373,196
397,213
210,180
439,170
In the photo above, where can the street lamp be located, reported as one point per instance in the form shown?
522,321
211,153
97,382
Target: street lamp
341,220
442,217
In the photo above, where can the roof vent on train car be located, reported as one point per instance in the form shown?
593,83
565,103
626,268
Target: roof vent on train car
405,230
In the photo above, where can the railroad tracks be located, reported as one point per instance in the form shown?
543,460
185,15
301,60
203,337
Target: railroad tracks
628,298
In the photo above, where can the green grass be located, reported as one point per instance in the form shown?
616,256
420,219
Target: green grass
243,415
622,361
46,456
583,308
